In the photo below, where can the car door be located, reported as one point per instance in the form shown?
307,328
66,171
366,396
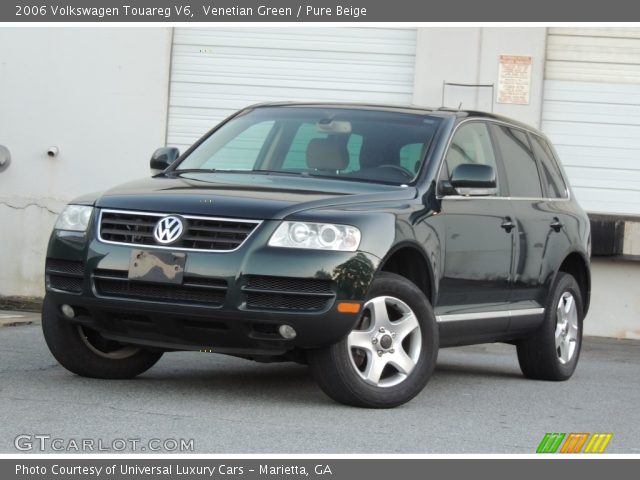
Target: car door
478,237
556,213
534,195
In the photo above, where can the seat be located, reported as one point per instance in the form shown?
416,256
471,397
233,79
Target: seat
376,153
328,154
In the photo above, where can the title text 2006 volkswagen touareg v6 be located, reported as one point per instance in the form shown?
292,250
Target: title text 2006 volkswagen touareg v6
356,238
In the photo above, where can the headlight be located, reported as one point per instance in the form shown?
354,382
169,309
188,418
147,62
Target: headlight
75,218
316,236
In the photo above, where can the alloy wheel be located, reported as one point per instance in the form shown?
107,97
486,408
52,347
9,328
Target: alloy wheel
105,348
385,346
566,328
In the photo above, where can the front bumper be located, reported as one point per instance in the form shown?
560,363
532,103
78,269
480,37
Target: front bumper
161,316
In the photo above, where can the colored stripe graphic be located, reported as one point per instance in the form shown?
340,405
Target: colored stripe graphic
598,443
550,443
574,443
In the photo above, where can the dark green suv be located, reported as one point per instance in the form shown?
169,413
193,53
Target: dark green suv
358,239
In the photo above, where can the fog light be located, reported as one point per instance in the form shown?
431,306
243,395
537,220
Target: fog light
287,331
68,311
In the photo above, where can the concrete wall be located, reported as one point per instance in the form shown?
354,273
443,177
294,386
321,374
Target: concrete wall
470,55
100,95
615,299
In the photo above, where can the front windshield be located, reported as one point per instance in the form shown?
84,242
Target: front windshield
343,143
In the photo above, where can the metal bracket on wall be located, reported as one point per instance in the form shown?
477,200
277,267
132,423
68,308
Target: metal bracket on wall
5,158
446,84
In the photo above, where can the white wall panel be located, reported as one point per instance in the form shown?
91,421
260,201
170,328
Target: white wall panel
216,71
591,111
594,55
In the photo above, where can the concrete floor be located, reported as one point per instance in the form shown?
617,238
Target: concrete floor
477,401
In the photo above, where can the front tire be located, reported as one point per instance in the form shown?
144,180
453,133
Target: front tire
86,353
389,356
552,352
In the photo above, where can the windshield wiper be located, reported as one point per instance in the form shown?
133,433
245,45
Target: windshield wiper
215,170
207,170
282,172
190,170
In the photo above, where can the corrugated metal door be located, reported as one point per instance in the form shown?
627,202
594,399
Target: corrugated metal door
216,71
591,112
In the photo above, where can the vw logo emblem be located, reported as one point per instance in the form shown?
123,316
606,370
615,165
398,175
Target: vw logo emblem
168,230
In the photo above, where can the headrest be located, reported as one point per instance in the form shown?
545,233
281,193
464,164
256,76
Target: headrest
327,154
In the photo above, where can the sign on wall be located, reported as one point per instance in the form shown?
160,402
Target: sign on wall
514,79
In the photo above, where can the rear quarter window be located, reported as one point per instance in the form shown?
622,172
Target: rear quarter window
551,173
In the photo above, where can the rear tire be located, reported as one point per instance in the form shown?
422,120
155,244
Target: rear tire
86,353
552,352
389,356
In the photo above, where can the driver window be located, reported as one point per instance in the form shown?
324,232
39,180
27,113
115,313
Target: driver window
470,144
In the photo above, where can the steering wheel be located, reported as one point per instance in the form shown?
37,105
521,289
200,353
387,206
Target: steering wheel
405,171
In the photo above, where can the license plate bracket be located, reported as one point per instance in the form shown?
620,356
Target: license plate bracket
157,267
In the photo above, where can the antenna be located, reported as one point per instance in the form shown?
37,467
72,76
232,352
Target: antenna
446,84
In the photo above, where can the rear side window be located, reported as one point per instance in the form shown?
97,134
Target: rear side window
519,162
551,174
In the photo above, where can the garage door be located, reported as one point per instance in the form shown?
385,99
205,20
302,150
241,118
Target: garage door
591,111
216,71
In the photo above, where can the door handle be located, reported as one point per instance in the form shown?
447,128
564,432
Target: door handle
556,224
507,224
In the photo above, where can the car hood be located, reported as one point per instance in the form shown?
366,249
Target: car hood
245,195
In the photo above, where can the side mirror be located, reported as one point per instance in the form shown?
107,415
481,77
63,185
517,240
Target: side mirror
472,179
163,158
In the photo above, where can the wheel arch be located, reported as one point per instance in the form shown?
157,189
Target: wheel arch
577,265
410,261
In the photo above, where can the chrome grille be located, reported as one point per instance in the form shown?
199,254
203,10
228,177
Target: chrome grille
201,233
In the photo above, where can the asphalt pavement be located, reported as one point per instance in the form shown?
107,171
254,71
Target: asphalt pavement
476,402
